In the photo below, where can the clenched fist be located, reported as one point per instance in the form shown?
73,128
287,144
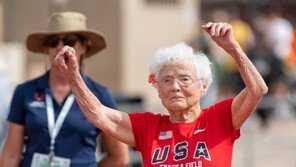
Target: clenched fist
222,34
67,61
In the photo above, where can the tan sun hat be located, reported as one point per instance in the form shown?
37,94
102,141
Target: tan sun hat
67,22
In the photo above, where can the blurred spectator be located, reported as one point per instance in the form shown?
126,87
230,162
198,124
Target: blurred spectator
4,97
278,32
291,59
271,69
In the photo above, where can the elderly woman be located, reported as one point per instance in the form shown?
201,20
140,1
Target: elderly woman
44,112
189,135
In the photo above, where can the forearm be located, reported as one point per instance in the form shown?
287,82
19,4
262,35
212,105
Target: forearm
246,101
251,77
116,152
109,120
114,161
10,160
86,100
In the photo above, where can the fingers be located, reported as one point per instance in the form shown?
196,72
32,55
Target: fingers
65,56
225,28
216,29
207,26
71,51
60,58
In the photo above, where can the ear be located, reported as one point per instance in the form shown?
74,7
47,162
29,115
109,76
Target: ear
81,65
84,48
158,91
158,94
45,50
203,89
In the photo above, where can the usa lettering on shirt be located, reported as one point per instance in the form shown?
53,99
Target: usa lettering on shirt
161,154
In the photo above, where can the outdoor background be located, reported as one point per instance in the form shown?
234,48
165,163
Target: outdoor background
135,29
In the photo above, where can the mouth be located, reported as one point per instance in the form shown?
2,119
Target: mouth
176,98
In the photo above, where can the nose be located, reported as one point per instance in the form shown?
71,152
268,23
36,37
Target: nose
60,45
175,86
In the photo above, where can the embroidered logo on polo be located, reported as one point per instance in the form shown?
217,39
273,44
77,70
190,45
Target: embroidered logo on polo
39,100
39,95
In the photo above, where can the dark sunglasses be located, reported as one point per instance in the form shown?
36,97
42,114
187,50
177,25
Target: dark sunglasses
70,40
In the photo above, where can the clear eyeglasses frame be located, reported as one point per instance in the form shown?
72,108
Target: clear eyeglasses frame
182,81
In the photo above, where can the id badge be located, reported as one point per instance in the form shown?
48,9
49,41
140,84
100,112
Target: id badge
42,160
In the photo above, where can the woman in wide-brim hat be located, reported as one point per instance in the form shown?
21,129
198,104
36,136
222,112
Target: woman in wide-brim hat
67,23
45,111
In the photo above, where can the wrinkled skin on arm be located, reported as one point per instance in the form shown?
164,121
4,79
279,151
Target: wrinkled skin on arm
247,100
110,121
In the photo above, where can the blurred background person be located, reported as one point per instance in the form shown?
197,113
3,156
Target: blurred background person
271,69
45,123
4,96
278,32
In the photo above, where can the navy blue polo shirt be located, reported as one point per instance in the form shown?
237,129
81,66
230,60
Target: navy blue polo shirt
77,137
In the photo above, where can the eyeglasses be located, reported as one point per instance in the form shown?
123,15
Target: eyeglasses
70,40
182,81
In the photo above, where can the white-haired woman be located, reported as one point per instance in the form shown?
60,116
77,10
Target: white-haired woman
189,135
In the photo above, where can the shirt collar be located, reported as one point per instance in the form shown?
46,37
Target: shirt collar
43,82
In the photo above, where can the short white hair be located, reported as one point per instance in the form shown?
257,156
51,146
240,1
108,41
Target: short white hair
181,51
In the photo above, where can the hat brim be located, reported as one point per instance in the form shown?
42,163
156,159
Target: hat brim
35,41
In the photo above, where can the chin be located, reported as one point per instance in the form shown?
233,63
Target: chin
177,106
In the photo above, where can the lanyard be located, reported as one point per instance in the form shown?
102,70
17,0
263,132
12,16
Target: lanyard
53,127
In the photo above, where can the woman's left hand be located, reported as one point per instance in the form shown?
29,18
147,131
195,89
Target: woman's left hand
221,33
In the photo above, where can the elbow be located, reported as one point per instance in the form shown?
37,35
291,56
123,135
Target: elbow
123,157
120,160
264,90
261,92
123,163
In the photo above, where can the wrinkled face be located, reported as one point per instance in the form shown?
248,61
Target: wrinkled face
178,87
56,42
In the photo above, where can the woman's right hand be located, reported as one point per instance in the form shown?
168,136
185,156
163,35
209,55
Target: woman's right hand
67,61
222,34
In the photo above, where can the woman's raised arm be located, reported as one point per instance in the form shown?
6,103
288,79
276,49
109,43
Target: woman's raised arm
110,121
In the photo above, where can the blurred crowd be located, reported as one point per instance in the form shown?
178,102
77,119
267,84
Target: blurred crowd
269,40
